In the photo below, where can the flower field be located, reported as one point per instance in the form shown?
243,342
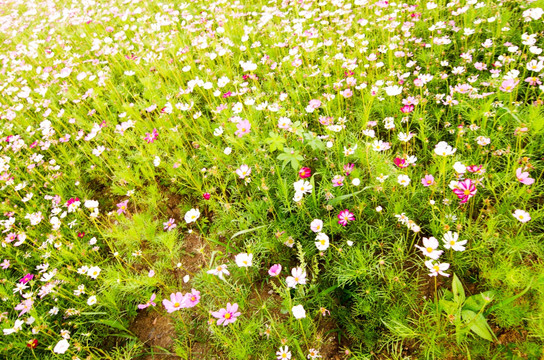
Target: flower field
284,179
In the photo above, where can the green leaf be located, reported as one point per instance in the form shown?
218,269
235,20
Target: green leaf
458,291
449,307
314,142
246,231
478,324
275,141
291,156
336,200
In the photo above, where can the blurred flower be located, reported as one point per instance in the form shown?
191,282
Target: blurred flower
522,215
298,312
274,270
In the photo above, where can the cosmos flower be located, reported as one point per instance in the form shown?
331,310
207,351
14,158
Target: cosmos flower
228,315
344,216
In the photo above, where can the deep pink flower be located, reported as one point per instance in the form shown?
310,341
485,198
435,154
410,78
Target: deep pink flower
122,207
26,278
149,303
243,128
305,172
206,196
192,298
523,177
400,162
228,315
345,216
348,169
177,301
428,180
151,137
406,109
465,190
474,168
274,270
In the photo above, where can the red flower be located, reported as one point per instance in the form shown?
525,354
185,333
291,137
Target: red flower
80,234
32,344
206,196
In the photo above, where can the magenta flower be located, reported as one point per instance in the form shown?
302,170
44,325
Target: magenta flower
26,278
243,128
151,137
177,301
305,172
274,270
465,190
348,168
228,315
206,196
406,109
149,303
428,180
345,216
122,207
400,162
474,168
192,298
523,177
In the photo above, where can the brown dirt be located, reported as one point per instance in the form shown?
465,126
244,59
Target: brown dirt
157,332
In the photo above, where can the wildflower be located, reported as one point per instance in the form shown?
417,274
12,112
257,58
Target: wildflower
192,298
379,145
228,315
400,162
443,149
350,150
345,216
26,278
459,167
522,215
437,268
313,354
450,241
289,242
206,196
243,171
322,242
219,271
348,168
243,128
404,180
304,173
177,301
508,85
324,312
192,215
298,277
93,272
465,190
16,327
151,137
523,177
428,180
122,207
298,312
316,225
244,260
283,353
61,347
24,306
148,303
91,300
303,187
274,270
393,90
337,180
429,248
382,178
170,224
32,344
356,182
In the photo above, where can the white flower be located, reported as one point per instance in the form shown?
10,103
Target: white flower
298,196
303,187
61,347
522,215
157,161
429,248
298,312
322,242
298,277
393,90
443,149
93,272
283,353
316,225
91,300
404,180
218,131
244,260
450,241
227,150
192,215
459,167
356,182
248,66
437,268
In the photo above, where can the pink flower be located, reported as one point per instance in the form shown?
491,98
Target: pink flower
508,85
177,301
151,137
345,216
305,172
274,270
428,180
192,298
149,303
348,169
523,177
406,109
170,224
243,128
5,264
315,104
228,315
122,207
25,306
337,180
243,171
465,190
206,196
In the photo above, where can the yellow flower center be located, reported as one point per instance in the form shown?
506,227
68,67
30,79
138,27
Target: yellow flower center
228,316
176,304
466,192
429,249
452,242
